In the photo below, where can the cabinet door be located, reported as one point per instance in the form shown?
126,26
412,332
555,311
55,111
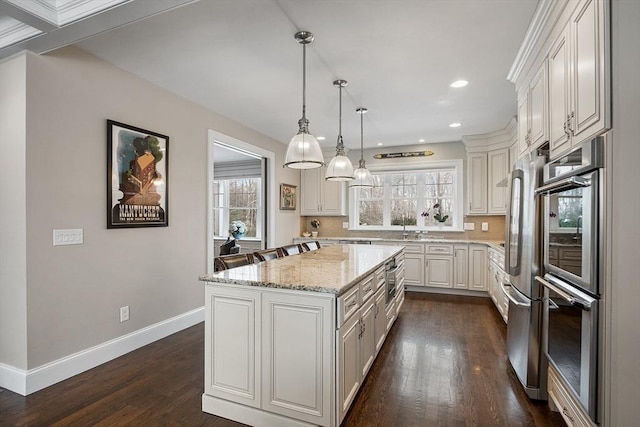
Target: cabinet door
297,356
461,266
477,183
559,72
477,267
367,337
439,271
414,269
232,359
498,162
538,107
589,75
380,325
523,123
333,197
348,366
310,191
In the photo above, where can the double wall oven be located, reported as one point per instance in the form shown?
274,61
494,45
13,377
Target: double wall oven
572,260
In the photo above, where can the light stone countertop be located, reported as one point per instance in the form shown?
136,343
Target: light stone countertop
496,244
332,269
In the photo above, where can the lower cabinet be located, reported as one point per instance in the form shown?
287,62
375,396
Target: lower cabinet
560,400
439,271
461,272
477,267
414,269
495,276
380,322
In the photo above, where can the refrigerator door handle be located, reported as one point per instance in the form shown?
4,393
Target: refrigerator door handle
513,296
580,302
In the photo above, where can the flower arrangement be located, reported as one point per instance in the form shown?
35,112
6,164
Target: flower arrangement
436,213
315,223
237,227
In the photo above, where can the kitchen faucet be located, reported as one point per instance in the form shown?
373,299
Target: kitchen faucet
404,229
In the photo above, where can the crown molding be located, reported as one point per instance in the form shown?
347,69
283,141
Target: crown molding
531,38
503,138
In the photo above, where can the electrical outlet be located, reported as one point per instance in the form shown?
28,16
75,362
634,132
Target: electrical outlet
485,226
469,225
124,313
345,225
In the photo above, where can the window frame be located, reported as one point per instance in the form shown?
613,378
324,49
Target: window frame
458,198
225,208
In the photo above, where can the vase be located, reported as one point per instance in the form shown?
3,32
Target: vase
314,234
238,236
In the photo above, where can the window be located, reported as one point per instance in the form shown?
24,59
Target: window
430,198
237,200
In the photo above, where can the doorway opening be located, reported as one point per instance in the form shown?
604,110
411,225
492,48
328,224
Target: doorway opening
240,188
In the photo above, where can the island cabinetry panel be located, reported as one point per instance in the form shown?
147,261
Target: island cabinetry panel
297,354
320,197
231,333
380,320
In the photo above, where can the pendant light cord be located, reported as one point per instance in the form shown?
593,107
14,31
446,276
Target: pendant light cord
340,147
361,137
304,82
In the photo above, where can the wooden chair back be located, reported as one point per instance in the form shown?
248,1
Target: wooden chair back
231,261
291,249
311,246
268,254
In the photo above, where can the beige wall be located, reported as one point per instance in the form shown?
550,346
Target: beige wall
74,292
13,269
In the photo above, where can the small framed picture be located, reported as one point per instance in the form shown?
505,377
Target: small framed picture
288,197
137,177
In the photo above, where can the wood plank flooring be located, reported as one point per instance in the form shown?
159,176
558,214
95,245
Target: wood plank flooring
444,364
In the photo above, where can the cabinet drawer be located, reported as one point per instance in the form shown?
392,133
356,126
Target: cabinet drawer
348,304
413,248
560,397
553,253
571,254
368,287
440,249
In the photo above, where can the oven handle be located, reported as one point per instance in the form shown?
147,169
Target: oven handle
563,184
509,293
584,305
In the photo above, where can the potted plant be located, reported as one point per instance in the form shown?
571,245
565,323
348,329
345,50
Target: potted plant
437,214
237,229
315,224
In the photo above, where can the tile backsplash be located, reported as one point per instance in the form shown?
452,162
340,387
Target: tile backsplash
331,226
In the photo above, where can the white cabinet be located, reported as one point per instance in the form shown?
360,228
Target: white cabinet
495,276
439,265
561,400
532,112
380,322
367,337
477,183
461,266
498,169
320,197
348,366
484,171
477,267
579,78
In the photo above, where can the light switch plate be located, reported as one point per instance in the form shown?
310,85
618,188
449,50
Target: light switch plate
345,225
485,226
68,237
469,225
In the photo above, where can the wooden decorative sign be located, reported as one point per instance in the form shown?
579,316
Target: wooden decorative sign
403,154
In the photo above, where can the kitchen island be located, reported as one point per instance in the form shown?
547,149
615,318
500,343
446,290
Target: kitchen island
288,342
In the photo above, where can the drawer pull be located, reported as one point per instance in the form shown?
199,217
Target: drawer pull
566,412
351,304
368,289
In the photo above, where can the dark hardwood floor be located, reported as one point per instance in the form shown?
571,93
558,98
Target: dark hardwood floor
443,364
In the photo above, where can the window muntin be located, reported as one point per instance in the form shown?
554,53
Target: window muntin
401,196
237,200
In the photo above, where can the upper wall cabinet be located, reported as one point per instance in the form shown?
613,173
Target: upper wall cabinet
533,129
565,59
319,197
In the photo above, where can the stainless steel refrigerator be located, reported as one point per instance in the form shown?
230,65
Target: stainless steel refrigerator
522,262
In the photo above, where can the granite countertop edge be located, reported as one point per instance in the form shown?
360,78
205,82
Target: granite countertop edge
496,244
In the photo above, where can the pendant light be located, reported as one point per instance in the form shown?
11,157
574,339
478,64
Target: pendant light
304,151
340,167
362,177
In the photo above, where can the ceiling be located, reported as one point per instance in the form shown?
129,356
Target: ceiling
239,59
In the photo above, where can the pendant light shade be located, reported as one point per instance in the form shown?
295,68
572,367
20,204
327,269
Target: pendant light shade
340,167
362,177
304,151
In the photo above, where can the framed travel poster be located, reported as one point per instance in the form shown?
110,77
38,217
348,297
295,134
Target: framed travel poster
137,177
287,197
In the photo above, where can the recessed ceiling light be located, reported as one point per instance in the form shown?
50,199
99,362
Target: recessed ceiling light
455,125
421,140
380,143
320,138
459,83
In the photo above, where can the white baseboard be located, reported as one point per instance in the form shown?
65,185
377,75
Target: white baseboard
447,291
27,382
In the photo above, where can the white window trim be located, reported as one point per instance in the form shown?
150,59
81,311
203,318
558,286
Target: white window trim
457,217
226,207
